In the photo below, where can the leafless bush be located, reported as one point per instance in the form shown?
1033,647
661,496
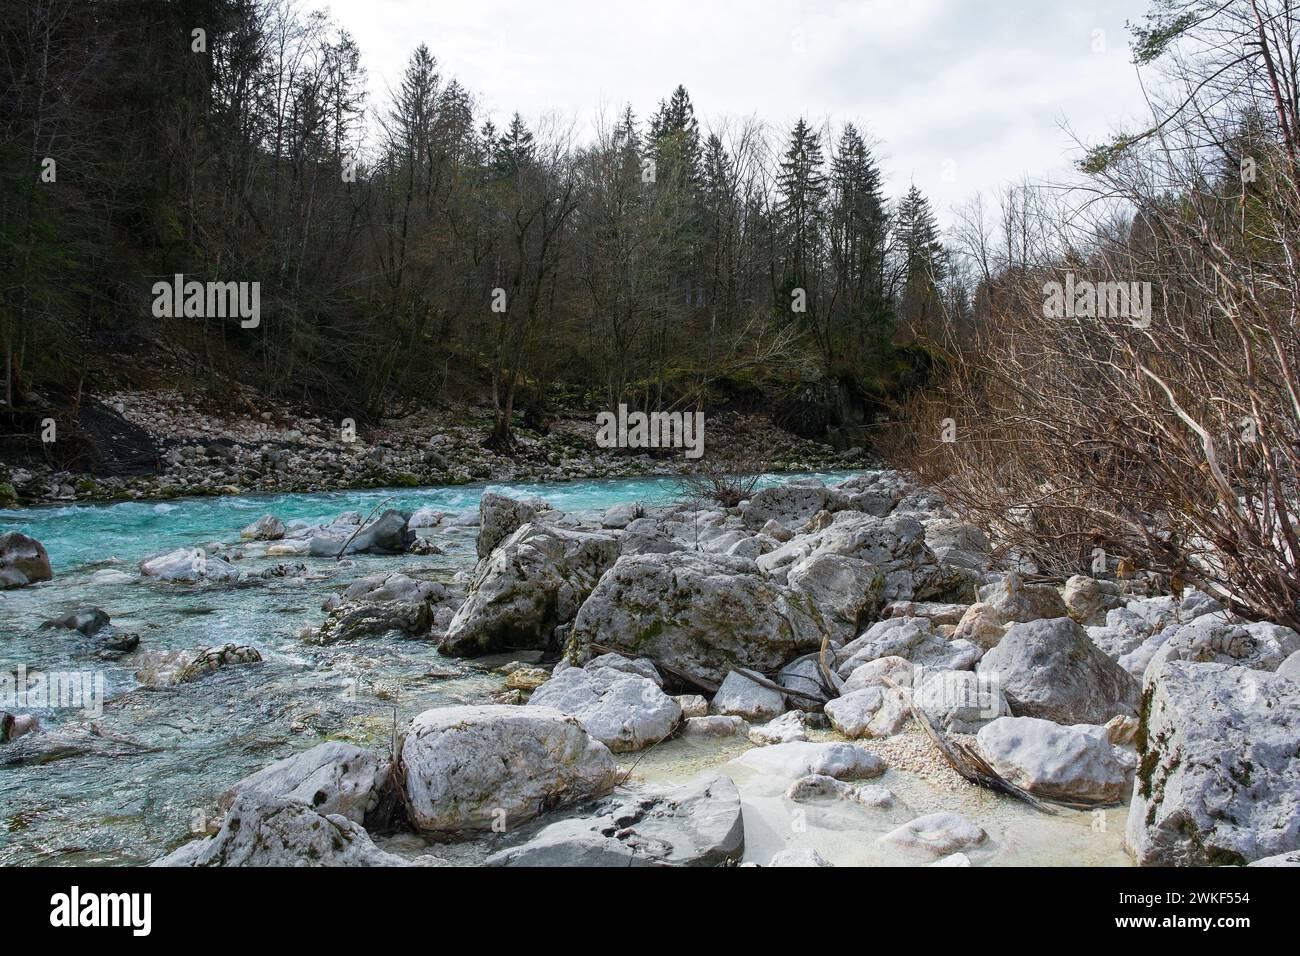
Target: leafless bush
1170,441
719,481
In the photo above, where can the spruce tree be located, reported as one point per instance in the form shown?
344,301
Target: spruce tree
802,185
859,227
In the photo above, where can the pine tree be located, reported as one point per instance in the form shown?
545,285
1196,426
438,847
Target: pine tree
412,115
675,147
455,126
515,149
801,182
675,135
859,227
921,259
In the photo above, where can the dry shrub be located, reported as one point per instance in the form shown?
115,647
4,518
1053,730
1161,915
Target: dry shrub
721,481
1171,444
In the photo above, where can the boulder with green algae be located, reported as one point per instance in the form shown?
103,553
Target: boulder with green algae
1218,777
533,582
702,614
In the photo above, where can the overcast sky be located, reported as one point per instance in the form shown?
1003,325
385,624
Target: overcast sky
963,95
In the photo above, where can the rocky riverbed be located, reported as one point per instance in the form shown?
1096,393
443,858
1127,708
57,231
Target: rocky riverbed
598,674
161,444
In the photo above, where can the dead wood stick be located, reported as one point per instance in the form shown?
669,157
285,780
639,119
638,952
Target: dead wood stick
965,761
708,685
831,683
762,681
361,527
705,685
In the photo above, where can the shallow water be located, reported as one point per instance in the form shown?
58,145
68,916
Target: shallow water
137,779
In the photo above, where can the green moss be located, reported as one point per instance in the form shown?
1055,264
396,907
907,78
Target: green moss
649,633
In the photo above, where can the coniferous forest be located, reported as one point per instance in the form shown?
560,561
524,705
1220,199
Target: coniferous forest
412,247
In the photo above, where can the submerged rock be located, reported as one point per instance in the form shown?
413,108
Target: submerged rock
794,760
1290,858
798,856
352,620
209,660
527,678
939,833
86,621
160,668
696,824
188,566
472,767
13,726
23,561
819,786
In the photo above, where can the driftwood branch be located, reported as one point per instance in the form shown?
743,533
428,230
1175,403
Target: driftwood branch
831,683
762,681
361,527
709,686
964,760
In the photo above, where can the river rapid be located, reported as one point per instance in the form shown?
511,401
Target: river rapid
124,786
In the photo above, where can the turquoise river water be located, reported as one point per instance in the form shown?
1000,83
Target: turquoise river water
124,785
